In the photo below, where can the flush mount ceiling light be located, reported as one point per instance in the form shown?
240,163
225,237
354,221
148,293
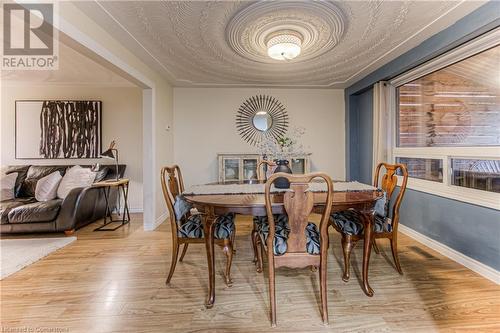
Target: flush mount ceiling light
284,45
316,28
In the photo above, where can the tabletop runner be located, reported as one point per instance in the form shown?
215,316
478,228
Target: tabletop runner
259,188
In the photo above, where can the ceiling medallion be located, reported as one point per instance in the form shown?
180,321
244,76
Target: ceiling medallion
310,28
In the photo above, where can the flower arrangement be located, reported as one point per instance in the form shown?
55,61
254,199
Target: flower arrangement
283,148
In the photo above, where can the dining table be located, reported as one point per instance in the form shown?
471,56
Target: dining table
219,201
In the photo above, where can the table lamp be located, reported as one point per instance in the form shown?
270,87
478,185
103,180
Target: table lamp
112,153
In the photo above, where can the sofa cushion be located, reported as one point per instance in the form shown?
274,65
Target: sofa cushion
35,212
35,173
8,186
7,205
22,171
46,187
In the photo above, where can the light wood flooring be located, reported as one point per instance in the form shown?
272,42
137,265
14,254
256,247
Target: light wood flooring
115,282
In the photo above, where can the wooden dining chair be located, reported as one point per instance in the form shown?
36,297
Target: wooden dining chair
350,225
293,241
261,172
259,220
187,224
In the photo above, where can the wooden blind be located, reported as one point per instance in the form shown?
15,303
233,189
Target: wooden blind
458,105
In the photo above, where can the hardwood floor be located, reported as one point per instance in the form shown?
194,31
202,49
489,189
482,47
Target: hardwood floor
115,282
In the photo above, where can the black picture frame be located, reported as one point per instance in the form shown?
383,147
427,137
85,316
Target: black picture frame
98,144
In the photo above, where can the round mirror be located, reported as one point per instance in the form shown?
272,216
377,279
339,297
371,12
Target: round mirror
262,121
261,117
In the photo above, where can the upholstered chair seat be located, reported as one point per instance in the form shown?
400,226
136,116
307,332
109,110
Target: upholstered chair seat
349,222
281,235
279,219
192,227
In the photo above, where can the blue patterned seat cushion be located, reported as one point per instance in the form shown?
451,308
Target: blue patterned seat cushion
192,227
349,222
281,234
279,219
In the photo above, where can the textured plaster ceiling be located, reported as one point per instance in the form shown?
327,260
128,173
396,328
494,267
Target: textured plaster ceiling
222,43
74,69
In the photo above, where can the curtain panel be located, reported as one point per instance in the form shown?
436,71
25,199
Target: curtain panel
383,94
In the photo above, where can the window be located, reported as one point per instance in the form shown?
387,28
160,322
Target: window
446,123
479,174
423,168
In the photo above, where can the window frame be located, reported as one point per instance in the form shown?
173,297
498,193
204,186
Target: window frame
445,189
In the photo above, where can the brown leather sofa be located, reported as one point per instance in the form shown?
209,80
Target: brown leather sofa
82,206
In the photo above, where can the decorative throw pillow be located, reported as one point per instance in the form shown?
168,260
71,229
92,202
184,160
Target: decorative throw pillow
101,173
382,205
35,173
181,207
7,186
75,177
46,187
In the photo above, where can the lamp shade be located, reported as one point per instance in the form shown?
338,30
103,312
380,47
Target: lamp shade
112,153
109,154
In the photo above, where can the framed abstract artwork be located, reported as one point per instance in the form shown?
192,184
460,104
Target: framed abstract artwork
53,129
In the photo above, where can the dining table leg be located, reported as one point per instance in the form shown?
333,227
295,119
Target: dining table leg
369,218
208,230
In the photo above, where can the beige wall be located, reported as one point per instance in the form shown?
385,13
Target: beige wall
204,125
121,120
164,143
157,145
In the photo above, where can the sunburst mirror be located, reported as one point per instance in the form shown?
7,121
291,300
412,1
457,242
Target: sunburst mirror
260,117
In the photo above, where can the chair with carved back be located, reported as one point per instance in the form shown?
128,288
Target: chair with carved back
262,172
293,241
258,220
187,223
350,225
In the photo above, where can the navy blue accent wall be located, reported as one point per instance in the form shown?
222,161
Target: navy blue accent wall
361,134
466,228
470,229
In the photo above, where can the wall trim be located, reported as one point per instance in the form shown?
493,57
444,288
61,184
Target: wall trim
156,223
136,210
472,264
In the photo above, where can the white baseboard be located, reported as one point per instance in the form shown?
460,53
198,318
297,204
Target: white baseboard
472,264
136,210
159,220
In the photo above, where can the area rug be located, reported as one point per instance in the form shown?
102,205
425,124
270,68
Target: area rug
15,254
